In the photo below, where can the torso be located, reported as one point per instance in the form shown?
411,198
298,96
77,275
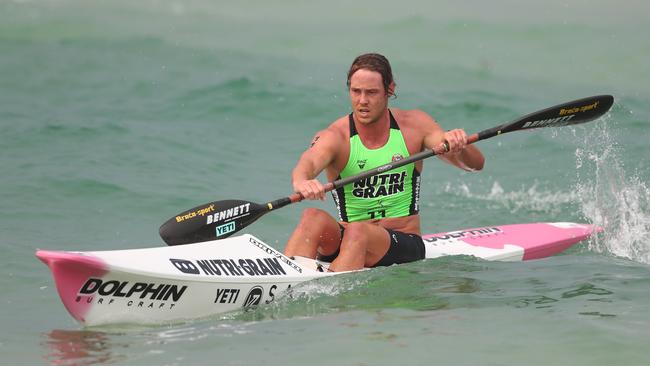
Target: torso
414,140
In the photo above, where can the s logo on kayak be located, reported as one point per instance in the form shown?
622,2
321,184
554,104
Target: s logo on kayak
254,297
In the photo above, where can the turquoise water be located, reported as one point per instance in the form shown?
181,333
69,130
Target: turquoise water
116,116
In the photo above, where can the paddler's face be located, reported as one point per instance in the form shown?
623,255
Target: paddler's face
368,96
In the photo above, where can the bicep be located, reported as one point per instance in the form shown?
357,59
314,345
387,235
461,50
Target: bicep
322,150
434,136
432,132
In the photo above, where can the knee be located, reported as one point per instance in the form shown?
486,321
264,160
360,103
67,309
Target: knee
356,229
355,234
312,215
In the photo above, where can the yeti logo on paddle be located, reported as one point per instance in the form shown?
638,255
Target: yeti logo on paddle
225,229
254,297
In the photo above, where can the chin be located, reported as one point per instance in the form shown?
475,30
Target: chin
367,120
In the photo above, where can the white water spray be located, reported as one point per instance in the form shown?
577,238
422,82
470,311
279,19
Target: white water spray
611,199
524,199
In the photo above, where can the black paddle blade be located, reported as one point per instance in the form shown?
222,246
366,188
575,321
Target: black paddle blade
571,113
216,220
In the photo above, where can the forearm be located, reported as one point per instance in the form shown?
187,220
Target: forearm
304,182
461,155
470,159
312,163
304,170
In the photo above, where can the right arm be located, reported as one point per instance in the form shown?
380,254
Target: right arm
319,156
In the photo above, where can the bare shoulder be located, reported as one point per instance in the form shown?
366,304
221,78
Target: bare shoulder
336,131
415,119
340,127
417,126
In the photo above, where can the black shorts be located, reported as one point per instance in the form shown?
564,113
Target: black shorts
403,248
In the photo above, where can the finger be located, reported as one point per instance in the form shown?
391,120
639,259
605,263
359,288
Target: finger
442,149
307,191
463,138
453,144
321,192
313,192
317,190
459,140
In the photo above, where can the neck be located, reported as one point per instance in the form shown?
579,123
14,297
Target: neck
374,134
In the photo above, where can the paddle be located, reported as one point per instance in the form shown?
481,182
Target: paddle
220,219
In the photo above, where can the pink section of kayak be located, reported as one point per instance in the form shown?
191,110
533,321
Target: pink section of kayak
70,272
539,240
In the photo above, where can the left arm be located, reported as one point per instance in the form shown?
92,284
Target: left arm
460,154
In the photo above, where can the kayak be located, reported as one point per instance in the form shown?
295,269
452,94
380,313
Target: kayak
178,283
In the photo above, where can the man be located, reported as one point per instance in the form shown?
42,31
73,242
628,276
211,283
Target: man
379,222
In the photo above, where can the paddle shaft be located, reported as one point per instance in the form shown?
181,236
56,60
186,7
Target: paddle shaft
570,113
330,186
223,218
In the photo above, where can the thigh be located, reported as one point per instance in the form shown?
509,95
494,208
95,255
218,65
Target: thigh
369,240
403,248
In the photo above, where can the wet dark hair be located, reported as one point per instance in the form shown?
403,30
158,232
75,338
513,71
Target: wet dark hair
373,62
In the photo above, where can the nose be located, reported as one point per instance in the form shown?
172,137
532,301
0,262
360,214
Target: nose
363,98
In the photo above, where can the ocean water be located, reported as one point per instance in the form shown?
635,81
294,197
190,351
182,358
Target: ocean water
116,115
